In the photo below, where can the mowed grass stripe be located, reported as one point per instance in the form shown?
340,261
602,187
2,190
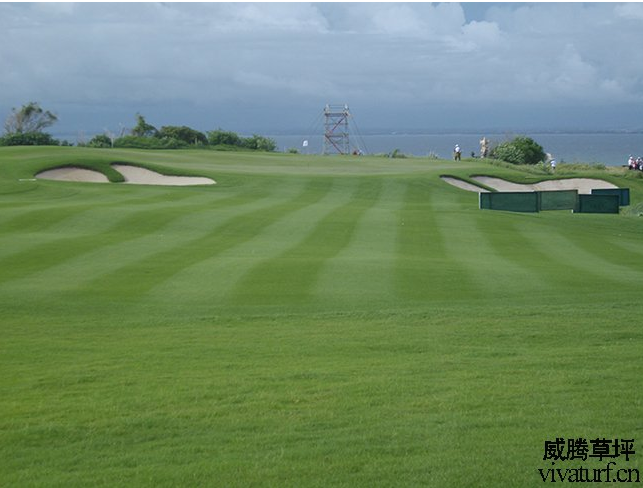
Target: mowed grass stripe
210,281
548,262
426,269
188,222
38,215
512,237
35,228
136,279
111,254
480,248
496,259
109,226
588,265
42,218
290,278
55,250
632,250
584,236
363,272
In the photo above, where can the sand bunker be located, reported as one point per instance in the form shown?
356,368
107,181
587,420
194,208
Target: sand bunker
73,174
583,185
462,184
132,174
141,176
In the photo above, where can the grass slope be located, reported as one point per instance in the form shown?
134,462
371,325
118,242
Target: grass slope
307,321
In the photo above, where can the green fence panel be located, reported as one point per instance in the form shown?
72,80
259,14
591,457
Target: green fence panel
598,203
484,200
623,194
558,200
552,200
510,201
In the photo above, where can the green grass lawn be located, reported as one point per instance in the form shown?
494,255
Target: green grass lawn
308,321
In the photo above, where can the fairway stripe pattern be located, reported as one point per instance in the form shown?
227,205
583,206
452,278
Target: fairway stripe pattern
111,226
138,278
362,272
49,226
233,264
66,260
428,267
585,266
292,276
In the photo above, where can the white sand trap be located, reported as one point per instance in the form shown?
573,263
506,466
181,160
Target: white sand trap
133,175
73,174
463,184
583,185
141,176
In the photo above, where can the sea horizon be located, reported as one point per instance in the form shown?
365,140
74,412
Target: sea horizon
611,147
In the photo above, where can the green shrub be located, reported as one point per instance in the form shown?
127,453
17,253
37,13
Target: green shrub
28,139
221,137
520,150
136,142
100,140
227,139
186,134
259,143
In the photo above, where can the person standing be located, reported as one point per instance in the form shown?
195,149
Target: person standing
457,153
484,147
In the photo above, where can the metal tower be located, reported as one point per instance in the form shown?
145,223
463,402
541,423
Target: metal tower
336,130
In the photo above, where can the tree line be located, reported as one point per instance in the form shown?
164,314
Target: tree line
25,127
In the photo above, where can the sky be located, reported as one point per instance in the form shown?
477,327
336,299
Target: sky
270,68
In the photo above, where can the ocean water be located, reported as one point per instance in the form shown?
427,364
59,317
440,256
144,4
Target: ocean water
610,148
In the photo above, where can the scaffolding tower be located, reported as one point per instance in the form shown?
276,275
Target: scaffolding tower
336,139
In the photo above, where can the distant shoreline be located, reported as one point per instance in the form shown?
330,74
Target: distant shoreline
420,132
387,132
609,147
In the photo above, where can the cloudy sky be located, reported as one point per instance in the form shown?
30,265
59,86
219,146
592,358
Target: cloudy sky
271,67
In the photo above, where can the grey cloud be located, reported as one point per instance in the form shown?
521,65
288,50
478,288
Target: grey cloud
259,57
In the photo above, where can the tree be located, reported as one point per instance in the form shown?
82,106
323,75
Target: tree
143,129
183,133
520,150
30,118
149,143
260,143
101,140
221,137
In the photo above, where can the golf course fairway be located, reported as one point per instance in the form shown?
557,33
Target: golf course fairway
309,321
